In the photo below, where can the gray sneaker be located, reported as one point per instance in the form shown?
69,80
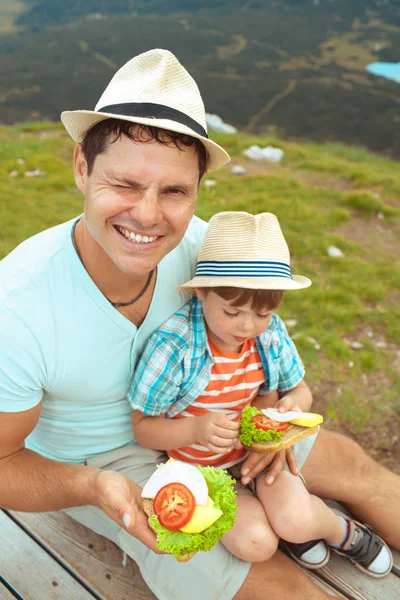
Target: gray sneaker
365,549
311,555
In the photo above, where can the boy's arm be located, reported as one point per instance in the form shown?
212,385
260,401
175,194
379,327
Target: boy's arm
161,433
298,397
212,430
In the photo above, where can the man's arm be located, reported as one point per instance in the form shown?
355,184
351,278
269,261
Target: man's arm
35,483
32,483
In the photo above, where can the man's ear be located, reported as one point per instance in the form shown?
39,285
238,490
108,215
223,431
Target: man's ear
80,168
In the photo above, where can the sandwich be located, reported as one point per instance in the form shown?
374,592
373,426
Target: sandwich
189,508
268,430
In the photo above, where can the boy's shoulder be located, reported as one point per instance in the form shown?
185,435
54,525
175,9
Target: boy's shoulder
178,327
275,332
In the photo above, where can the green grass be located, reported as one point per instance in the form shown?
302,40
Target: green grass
350,296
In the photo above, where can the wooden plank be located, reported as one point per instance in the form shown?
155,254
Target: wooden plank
342,575
91,558
396,562
5,594
324,586
30,571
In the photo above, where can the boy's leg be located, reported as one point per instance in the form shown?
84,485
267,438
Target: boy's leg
295,515
251,538
337,468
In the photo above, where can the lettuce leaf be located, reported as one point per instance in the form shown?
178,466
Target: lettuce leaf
250,434
220,489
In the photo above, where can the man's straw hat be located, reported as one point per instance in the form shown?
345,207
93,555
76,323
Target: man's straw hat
152,89
244,251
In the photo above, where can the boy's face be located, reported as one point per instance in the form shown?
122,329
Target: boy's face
230,326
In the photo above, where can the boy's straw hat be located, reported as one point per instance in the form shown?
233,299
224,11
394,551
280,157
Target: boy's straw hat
152,89
244,251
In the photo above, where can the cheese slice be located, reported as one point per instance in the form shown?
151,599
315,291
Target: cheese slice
203,517
304,419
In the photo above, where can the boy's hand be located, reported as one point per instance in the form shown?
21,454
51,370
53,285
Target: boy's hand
287,403
216,432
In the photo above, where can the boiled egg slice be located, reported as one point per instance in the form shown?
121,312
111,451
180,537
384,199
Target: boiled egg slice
175,471
203,517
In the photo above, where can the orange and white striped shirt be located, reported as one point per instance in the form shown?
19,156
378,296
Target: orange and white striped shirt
235,380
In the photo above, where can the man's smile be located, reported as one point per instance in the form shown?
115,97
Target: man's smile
136,237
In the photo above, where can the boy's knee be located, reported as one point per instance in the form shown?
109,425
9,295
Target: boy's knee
259,544
294,526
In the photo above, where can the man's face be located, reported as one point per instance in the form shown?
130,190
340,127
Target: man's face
139,199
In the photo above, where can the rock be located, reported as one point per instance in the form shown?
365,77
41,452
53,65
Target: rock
356,345
216,123
351,364
381,344
314,342
238,170
334,252
269,153
13,173
380,216
35,173
20,161
290,322
209,183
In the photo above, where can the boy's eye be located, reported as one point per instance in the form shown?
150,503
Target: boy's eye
231,314
264,316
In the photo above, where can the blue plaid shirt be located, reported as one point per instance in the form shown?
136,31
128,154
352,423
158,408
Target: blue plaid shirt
175,366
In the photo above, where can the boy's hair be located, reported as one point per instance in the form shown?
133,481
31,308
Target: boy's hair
258,299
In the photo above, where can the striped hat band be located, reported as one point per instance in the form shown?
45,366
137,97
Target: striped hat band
215,268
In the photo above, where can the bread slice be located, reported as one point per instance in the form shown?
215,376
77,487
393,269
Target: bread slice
291,436
147,505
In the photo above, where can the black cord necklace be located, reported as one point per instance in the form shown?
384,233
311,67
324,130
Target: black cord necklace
114,304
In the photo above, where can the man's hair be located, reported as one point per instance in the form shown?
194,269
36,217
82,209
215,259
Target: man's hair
259,299
109,131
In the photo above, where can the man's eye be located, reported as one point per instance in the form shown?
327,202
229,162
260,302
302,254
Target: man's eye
175,191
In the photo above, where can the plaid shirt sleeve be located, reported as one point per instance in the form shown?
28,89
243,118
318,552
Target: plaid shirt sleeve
291,368
158,376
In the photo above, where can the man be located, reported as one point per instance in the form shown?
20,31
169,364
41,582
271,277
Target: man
77,303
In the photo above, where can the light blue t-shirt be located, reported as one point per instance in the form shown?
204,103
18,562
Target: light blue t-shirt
63,342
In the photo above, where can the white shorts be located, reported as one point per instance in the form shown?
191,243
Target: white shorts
216,574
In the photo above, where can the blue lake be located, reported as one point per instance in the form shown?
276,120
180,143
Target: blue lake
388,70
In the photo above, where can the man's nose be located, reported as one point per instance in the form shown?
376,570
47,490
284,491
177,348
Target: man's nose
146,209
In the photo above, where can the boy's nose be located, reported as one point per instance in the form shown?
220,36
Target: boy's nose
246,324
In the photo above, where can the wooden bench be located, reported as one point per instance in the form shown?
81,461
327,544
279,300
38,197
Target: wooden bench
49,556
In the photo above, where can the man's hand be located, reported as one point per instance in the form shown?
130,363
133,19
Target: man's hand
216,432
120,499
256,462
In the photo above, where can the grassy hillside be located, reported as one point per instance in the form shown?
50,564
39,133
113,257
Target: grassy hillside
296,67
348,322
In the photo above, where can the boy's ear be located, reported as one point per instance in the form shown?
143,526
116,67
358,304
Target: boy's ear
199,294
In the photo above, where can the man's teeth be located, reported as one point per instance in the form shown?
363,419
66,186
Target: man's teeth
136,237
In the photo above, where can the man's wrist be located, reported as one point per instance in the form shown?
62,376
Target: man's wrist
86,486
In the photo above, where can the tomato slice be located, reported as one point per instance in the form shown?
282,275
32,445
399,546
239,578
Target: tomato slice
263,422
174,506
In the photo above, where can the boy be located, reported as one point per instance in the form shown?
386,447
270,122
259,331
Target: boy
222,352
